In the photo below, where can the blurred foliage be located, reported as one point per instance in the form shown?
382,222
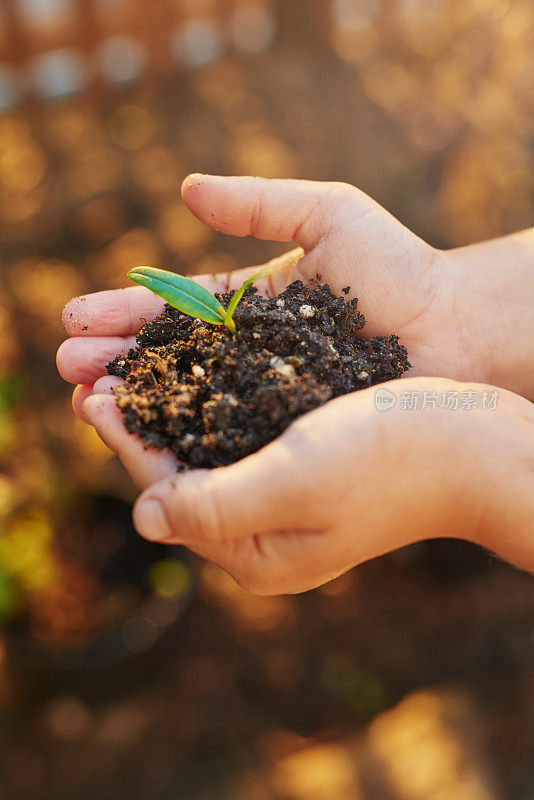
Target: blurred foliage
428,106
360,690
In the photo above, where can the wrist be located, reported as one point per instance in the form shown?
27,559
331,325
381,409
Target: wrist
493,291
437,453
499,473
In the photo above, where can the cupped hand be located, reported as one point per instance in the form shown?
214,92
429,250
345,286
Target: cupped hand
344,484
406,286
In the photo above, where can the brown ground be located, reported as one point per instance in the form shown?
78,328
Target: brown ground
287,698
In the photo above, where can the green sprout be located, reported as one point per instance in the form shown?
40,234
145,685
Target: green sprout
190,297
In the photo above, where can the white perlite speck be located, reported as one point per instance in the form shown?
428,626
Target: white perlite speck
280,303
362,375
286,370
198,371
307,312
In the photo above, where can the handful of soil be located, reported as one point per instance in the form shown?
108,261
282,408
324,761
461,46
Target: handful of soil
213,398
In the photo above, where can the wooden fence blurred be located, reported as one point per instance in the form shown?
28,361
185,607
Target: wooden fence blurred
51,48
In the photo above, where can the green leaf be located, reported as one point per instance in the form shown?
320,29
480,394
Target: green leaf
182,293
232,305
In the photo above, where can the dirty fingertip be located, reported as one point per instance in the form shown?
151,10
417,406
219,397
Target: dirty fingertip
74,316
192,181
106,384
97,404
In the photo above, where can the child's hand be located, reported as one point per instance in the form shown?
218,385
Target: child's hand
344,484
464,314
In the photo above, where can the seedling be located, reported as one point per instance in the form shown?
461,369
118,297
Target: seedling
190,297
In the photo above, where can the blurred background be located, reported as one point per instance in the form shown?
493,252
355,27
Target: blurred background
125,669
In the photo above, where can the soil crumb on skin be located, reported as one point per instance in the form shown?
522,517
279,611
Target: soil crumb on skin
213,398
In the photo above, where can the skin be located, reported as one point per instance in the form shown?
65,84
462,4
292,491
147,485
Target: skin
346,482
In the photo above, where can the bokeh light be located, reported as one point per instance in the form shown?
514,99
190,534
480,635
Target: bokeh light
105,106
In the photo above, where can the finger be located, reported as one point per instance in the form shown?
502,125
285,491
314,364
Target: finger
106,384
280,210
83,360
146,466
250,497
116,312
79,396
82,392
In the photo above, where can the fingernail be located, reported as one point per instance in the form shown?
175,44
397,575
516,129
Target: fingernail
150,520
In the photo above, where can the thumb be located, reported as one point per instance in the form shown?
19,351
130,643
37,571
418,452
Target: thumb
278,210
247,498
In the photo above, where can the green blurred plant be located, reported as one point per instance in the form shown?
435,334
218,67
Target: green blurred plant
190,297
12,390
27,561
170,578
358,688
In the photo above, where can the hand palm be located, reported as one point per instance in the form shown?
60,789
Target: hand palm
343,236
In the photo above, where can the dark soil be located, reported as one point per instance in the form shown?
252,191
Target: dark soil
214,399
